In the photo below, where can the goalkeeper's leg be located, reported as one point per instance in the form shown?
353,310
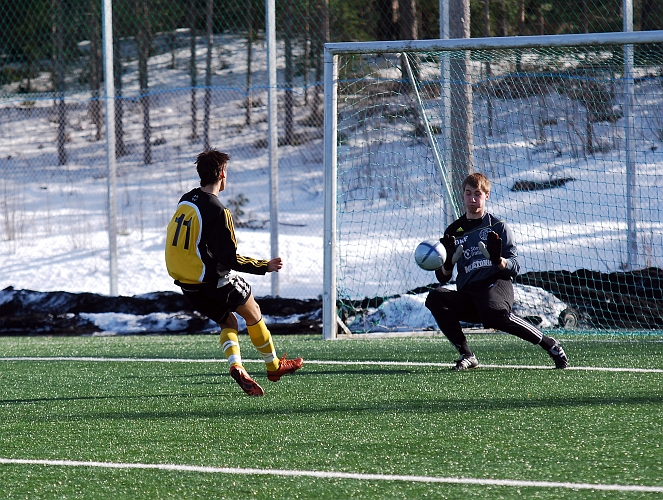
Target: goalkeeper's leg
495,312
449,308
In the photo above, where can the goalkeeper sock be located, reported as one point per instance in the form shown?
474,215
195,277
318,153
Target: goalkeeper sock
262,340
230,345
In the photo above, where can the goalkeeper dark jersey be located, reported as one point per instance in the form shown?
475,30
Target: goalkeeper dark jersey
475,270
201,248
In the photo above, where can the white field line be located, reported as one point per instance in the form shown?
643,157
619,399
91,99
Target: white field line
340,475
322,362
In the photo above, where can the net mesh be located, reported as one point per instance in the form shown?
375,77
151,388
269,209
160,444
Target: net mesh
548,128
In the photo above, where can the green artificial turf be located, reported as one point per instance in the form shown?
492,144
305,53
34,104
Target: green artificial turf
569,426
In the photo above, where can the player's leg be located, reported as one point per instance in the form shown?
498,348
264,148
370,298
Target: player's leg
215,304
449,308
230,345
261,338
494,307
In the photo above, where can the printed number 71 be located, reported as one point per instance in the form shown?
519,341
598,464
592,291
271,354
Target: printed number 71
180,220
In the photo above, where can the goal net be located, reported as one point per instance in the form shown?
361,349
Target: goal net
569,130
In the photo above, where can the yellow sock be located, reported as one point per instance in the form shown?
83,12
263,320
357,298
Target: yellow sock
262,340
230,345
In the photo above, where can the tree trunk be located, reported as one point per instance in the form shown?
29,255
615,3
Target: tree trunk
249,57
58,80
289,96
521,32
489,71
193,72
322,36
120,148
387,19
207,100
307,50
143,46
462,131
500,18
95,70
651,12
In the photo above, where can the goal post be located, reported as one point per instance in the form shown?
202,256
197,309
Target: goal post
548,119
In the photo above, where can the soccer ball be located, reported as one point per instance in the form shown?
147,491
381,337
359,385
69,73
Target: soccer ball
430,255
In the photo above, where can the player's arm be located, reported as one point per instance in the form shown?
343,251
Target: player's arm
224,248
501,249
454,253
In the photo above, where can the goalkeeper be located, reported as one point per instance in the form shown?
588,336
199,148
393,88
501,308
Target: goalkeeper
201,255
483,247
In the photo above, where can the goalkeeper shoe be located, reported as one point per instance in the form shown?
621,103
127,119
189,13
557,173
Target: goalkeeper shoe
466,362
286,367
245,381
558,355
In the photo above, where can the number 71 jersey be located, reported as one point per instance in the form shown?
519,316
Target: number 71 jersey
183,257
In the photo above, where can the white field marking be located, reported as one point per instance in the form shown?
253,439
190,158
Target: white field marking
324,362
340,475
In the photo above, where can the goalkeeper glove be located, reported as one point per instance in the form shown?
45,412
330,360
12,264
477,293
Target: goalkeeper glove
453,253
493,250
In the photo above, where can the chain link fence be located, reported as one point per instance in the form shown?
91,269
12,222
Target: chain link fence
191,74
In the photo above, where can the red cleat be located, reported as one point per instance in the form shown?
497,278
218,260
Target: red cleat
286,367
245,381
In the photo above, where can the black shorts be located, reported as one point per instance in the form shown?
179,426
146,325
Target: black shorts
218,303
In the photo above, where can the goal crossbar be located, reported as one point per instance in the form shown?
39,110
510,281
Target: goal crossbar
487,43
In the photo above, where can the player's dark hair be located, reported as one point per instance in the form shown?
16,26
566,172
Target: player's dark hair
477,181
209,164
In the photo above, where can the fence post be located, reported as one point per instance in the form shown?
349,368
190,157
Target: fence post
272,137
109,90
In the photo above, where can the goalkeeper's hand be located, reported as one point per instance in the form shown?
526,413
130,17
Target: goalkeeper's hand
453,253
493,250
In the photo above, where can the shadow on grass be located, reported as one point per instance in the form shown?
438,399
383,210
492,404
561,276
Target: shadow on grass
258,409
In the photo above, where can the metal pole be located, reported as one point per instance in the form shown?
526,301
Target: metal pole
455,211
329,313
631,169
506,42
109,90
272,138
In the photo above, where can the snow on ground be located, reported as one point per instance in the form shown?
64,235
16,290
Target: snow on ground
54,219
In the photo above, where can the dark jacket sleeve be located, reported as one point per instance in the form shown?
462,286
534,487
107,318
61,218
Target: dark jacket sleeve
509,251
223,246
438,272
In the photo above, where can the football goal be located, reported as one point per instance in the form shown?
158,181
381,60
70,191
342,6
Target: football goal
569,130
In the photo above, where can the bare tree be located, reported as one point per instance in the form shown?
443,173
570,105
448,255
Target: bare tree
387,19
322,36
120,147
193,72
651,12
58,79
521,32
462,142
94,107
249,57
207,100
489,71
289,73
143,49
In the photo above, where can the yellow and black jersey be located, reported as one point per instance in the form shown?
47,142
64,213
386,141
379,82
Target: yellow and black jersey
201,244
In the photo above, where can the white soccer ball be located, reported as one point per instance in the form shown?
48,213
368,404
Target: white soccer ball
430,255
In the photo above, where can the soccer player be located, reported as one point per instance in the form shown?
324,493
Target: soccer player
201,255
483,247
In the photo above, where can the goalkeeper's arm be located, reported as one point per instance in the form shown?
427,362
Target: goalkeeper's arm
443,274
